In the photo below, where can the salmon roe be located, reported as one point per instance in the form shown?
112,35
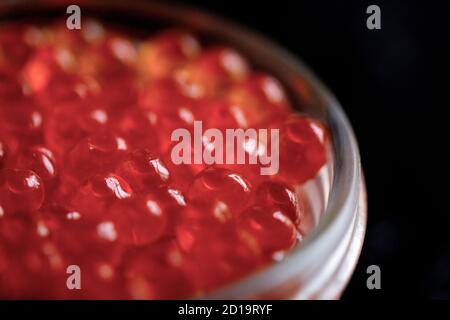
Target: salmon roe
86,176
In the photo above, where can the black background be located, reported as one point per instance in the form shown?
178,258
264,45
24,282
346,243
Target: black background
391,83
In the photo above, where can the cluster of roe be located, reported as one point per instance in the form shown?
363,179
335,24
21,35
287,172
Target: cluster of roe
86,176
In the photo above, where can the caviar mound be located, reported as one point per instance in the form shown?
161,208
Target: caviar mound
87,178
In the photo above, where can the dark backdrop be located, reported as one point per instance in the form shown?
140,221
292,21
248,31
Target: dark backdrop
391,84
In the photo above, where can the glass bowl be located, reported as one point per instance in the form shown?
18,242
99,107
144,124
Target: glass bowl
321,266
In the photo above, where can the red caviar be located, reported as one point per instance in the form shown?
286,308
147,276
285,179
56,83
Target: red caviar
86,176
